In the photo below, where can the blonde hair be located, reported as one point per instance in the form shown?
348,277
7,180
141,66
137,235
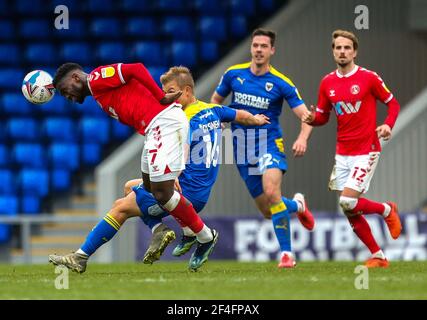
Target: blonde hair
180,74
345,34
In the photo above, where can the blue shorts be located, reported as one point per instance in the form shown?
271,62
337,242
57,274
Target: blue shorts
252,174
149,206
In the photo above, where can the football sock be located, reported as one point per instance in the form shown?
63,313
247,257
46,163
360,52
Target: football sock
182,210
362,229
367,206
102,233
387,210
280,216
205,235
187,232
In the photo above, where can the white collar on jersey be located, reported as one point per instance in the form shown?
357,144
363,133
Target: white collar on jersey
339,75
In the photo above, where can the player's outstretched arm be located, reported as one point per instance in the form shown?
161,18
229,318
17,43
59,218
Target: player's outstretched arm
138,72
248,119
216,98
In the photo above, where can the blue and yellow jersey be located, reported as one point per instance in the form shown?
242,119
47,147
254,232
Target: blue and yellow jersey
259,94
204,139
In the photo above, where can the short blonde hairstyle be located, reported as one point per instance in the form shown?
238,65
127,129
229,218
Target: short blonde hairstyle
345,34
180,74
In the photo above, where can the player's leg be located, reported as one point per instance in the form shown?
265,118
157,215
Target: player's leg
103,232
362,171
165,158
130,184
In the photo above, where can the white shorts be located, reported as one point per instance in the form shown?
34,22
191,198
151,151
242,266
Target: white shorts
163,156
354,172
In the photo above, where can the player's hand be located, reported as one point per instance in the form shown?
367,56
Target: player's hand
177,186
300,147
261,119
309,115
384,131
170,97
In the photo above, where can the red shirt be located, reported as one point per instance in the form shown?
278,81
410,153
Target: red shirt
353,98
128,101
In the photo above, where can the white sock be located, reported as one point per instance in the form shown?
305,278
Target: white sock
204,235
172,202
387,210
80,251
155,227
379,254
188,232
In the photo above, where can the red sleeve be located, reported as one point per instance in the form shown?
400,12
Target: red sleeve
138,72
392,112
105,78
379,89
323,108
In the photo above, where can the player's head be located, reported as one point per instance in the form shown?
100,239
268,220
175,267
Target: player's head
71,82
262,46
344,47
179,79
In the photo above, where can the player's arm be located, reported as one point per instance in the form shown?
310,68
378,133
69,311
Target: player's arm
140,73
248,119
223,89
318,116
217,98
382,93
300,145
130,184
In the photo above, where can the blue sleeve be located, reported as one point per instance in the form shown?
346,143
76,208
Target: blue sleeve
225,114
224,86
292,95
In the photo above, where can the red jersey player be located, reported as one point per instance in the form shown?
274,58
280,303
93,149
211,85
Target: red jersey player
351,91
128,93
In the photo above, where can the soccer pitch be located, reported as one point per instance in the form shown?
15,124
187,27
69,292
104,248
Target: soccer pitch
216,280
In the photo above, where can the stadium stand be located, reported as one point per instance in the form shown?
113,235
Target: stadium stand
43,147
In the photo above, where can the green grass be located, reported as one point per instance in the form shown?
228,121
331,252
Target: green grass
216,280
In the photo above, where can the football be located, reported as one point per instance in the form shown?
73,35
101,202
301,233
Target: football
37,87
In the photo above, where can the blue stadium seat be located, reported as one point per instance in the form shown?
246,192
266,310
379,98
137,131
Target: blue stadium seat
136,6
111,52
238,26
60,179
30,155
64,156
142,27
184,53
31,7
76,30
8,207
34,182
180,28
150,53
15,103
7,185
79,52
11,78
267,5
213,28
30,204
94,130
210,6
7,30
171,5
246,7
59,129
209,51
89,108
91,154
156,72
22,129
119,131
74,7
41,53
57,106
9,54
4,157
105,28
35,29
96,6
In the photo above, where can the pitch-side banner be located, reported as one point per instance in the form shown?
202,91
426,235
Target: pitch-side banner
252,239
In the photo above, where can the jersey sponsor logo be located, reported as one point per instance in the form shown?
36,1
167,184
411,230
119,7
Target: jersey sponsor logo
355,89
107,72
342,107
241,80
210,126
268,86
251,100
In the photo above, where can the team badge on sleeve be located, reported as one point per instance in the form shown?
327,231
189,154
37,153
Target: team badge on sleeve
108,72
